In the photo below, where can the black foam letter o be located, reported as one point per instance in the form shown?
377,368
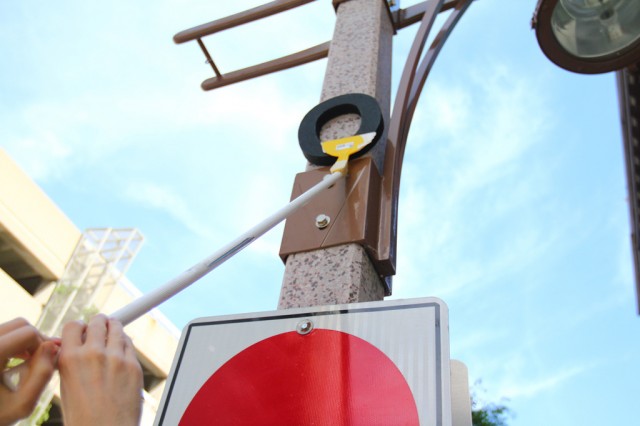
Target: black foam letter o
353,103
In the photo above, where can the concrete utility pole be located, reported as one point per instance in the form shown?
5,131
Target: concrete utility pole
341,247
359,62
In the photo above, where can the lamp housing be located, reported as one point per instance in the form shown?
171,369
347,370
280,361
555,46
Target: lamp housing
589,36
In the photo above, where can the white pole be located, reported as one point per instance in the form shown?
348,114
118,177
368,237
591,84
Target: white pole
154,298
148,301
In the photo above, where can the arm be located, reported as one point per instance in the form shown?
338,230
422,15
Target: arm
19,339
100,377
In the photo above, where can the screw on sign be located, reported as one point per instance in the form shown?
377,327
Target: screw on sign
315,377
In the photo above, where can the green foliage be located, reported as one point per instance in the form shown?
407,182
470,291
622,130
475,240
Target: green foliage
488,414
89,312
14,362
11,363
44,417
64,290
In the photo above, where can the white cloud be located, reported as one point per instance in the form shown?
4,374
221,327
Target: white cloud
42,157
473,188
269,245
149,89
530,387
162,198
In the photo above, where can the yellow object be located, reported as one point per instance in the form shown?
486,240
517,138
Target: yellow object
345,147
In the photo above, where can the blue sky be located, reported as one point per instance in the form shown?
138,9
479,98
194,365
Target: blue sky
513,204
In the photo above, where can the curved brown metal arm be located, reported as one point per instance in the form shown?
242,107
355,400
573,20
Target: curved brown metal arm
429,59
404,17
395,145
399,117
411,85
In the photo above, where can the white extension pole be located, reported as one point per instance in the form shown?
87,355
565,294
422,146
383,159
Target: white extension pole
340,148
148,301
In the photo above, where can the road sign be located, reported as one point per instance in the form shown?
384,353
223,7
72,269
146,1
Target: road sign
376,363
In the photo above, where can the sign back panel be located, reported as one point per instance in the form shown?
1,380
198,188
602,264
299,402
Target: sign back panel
375,363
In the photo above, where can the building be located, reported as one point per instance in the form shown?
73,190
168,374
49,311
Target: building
50,272
628,94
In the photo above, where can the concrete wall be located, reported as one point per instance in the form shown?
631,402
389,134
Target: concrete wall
16,302
45,235
37,238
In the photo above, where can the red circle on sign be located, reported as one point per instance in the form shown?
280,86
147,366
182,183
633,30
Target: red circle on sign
326,377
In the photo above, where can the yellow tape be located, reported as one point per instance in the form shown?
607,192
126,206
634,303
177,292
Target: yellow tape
343,148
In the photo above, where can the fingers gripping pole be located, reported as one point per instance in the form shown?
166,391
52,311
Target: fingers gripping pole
154,298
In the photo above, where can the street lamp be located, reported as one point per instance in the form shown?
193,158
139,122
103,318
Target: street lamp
599,36
589,36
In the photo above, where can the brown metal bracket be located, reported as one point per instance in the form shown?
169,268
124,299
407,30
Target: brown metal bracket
343,204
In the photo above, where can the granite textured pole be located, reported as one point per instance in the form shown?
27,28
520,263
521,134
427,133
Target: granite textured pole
359,62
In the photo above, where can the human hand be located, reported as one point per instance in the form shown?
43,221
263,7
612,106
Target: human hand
100,377
19,339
